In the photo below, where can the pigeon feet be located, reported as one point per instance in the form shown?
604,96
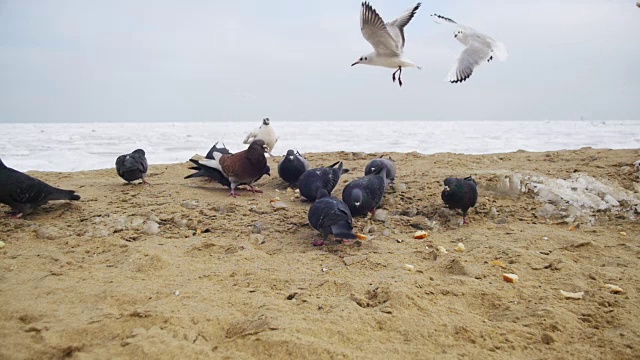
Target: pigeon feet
144,181
16,216
318,242
233,193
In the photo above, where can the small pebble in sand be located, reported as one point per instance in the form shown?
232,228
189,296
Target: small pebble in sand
177,293
380,215
409,267
572,295
614,289
151,227
399,240
510,278
2,244
460,247
278,204
623,233
189,204
545,238
442,250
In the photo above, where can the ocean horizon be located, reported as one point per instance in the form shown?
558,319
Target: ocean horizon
90,146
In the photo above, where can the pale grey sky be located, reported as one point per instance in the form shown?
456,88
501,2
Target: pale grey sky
121,60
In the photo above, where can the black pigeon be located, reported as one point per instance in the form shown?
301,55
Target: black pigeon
363,195
132,167
460,194
313,180
329,215
388,164
292,167
242,168
23,193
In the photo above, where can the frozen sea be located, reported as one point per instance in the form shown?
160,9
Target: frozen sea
88,146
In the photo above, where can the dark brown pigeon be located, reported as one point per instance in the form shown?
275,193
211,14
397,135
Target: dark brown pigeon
132,167
23,193
329,215
460,194
244,167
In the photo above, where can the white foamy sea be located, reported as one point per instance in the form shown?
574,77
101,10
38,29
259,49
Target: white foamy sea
88,146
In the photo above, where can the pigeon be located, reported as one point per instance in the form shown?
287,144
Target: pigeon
479,48
217,175
329,215
460,194
242,168
132,167
363,195
215,148
292,167
264,132
313,180
388,164
387,40
23,193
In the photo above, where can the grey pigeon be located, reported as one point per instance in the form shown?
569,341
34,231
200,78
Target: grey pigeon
329,215
132,167
292,167
313,180
460,194
23,193
242,168
363,195
388,164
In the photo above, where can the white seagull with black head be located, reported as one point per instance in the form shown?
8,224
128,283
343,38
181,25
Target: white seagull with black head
387,40
479,48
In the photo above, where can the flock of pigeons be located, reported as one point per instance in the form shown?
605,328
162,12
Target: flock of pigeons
388,39
328,215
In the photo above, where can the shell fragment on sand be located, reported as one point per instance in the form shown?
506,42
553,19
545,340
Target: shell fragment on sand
572,295
614,289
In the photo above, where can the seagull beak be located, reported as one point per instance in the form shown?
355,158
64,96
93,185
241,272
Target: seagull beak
355,63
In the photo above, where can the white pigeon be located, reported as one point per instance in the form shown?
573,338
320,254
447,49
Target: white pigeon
265,133
479,48
387,40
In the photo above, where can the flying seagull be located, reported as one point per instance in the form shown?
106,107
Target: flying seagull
479,48
387,40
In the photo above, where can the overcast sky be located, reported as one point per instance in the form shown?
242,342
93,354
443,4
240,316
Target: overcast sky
112,60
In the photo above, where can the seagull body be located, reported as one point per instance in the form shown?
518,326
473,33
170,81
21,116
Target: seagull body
479,48
387,40
265,133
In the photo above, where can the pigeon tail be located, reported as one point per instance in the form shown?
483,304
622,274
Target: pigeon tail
59,194
343,231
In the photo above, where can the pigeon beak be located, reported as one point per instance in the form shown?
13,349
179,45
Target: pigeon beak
355,63
446,188
266,148
290,157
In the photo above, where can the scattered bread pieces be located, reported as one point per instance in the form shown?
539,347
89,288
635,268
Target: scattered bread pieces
420,234
460,247
274,199
614,289
510,278
570,295
442,250
498,263
409,267
623,233
361,236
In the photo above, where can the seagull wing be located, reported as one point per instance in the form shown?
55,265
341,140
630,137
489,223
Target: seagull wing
396,27
376,33
473,55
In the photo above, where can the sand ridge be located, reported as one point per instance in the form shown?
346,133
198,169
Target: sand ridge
235,278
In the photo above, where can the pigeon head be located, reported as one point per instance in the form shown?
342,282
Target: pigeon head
448,184
291,154
265,121
139,151
258,146
322,193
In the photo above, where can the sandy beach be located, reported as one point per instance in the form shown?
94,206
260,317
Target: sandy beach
180,270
